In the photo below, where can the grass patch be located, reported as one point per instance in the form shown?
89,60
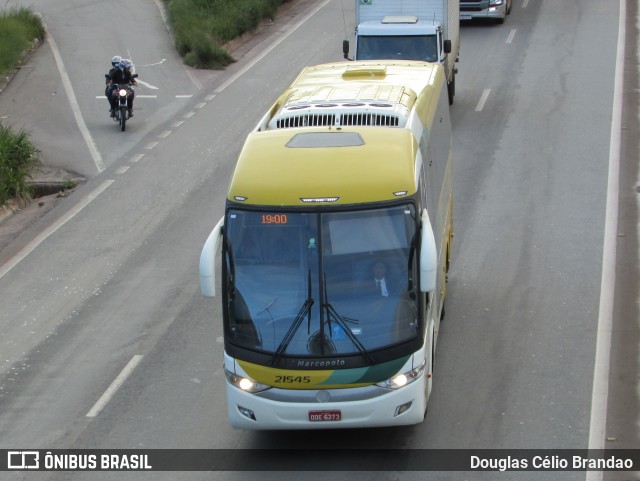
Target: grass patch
18,160
19,27
201,27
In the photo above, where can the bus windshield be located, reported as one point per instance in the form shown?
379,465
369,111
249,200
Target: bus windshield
320,284
406,47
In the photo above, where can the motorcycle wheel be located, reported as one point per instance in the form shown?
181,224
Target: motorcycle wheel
123,118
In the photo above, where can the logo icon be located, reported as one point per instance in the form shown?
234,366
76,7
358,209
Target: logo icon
23,460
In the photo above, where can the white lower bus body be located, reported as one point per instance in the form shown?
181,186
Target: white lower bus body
376,411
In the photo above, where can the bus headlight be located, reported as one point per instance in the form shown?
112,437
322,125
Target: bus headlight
403,379
245,383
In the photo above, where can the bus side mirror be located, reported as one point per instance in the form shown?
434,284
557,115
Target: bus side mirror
447,46
345,49
208,261
428,255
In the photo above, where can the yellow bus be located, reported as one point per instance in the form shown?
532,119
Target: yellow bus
334,244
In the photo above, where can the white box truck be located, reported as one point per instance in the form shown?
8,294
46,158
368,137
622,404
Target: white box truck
427,30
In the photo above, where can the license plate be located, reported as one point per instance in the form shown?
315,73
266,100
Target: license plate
325,415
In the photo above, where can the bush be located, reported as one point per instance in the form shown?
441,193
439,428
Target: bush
201,27
19,27
18,159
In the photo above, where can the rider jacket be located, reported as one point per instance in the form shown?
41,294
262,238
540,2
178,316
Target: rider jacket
117,76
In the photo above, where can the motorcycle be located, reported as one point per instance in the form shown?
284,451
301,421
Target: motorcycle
122,92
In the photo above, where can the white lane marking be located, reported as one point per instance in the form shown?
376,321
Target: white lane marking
156,63
164,134
136,158
151,145
200,105
115,385
186,96
600,390
210,97
163,15
525,3
148,85
483,99
271,47
75,108
188,115
30,247
177,124
122,170
511,35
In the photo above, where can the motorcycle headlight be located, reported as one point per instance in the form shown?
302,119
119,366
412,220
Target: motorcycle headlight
122,93
245,383
403,379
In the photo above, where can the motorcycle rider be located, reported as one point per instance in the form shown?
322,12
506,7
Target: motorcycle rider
120,75
115,63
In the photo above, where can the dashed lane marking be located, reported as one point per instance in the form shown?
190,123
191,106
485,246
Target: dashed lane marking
483,99
115,385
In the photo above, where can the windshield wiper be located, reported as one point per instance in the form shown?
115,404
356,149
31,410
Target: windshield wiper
305,310
342,322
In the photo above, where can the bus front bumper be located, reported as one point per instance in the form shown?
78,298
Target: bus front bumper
404,406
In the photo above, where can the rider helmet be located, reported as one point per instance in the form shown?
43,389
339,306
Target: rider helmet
115,61
126,63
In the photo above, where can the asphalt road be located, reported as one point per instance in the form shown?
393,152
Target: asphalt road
113,283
